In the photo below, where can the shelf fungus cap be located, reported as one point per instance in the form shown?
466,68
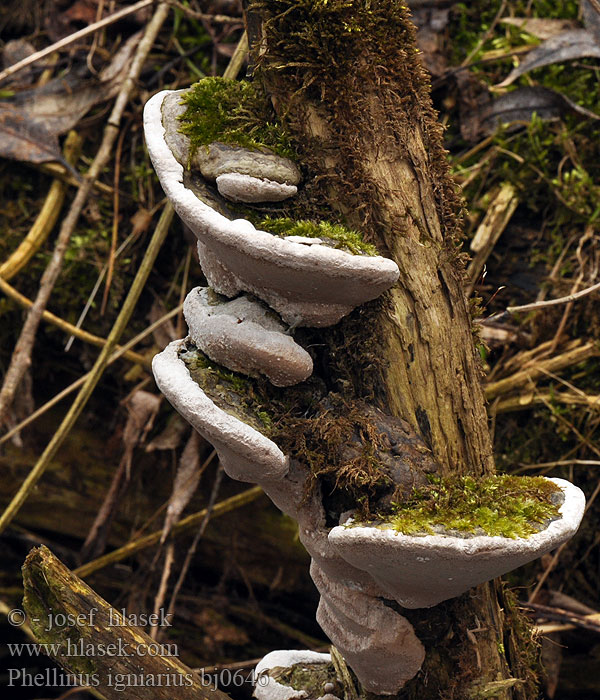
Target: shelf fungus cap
245,453
244,335
422,571
268,688
241,174
308,285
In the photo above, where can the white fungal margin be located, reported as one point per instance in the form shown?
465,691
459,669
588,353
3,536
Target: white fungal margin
422,571
308,285
245,454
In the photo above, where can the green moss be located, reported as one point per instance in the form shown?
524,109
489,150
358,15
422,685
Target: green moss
233,112
233,392
333,437
344,238
503,505
308,677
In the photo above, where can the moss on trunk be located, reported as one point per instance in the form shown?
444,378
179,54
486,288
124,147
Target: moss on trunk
346,80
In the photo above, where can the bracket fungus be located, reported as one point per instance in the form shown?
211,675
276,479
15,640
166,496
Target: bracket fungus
245,336
243,451
308,285
308,282
419,571
290,675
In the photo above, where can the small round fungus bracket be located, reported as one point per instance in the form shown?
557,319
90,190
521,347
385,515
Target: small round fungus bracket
245,336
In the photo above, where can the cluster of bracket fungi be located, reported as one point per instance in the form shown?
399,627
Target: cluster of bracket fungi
261,287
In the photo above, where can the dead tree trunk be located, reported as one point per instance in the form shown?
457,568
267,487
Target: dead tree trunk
346,79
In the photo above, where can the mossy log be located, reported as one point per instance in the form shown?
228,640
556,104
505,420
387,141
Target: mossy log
95,645
346,79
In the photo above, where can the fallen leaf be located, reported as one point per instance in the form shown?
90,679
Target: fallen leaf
165,333
15,51
25,139
519,105
170,438
474,100
576,43
142,408
140,222
540,27
31,120
185,483
62,102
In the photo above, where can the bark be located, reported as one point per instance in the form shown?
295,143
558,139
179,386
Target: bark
346,79
92,641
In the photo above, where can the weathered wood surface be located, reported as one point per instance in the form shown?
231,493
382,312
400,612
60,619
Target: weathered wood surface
347,80
91,640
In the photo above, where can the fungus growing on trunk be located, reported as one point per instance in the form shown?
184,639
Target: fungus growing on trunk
295,675
294,267
308,285
243,451
420,571
245,336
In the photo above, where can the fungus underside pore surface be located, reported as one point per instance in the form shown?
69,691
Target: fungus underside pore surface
239,113
504,505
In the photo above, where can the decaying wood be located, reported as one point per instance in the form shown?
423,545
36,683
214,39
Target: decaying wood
95,643
360,106
497,216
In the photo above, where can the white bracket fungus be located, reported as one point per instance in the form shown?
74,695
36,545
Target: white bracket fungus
379,644
308,285
243,452
422,571
245,336
268,688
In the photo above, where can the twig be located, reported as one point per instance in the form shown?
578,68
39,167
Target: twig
21,357
122,351
47,217
86,390
90,338
192,550
587,622
554,302
560,463
191,521
486,36
518,379
237,60
52,590
219,19
68,40
527,399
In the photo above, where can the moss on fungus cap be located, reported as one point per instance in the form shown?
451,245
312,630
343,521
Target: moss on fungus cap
308,285
422,571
